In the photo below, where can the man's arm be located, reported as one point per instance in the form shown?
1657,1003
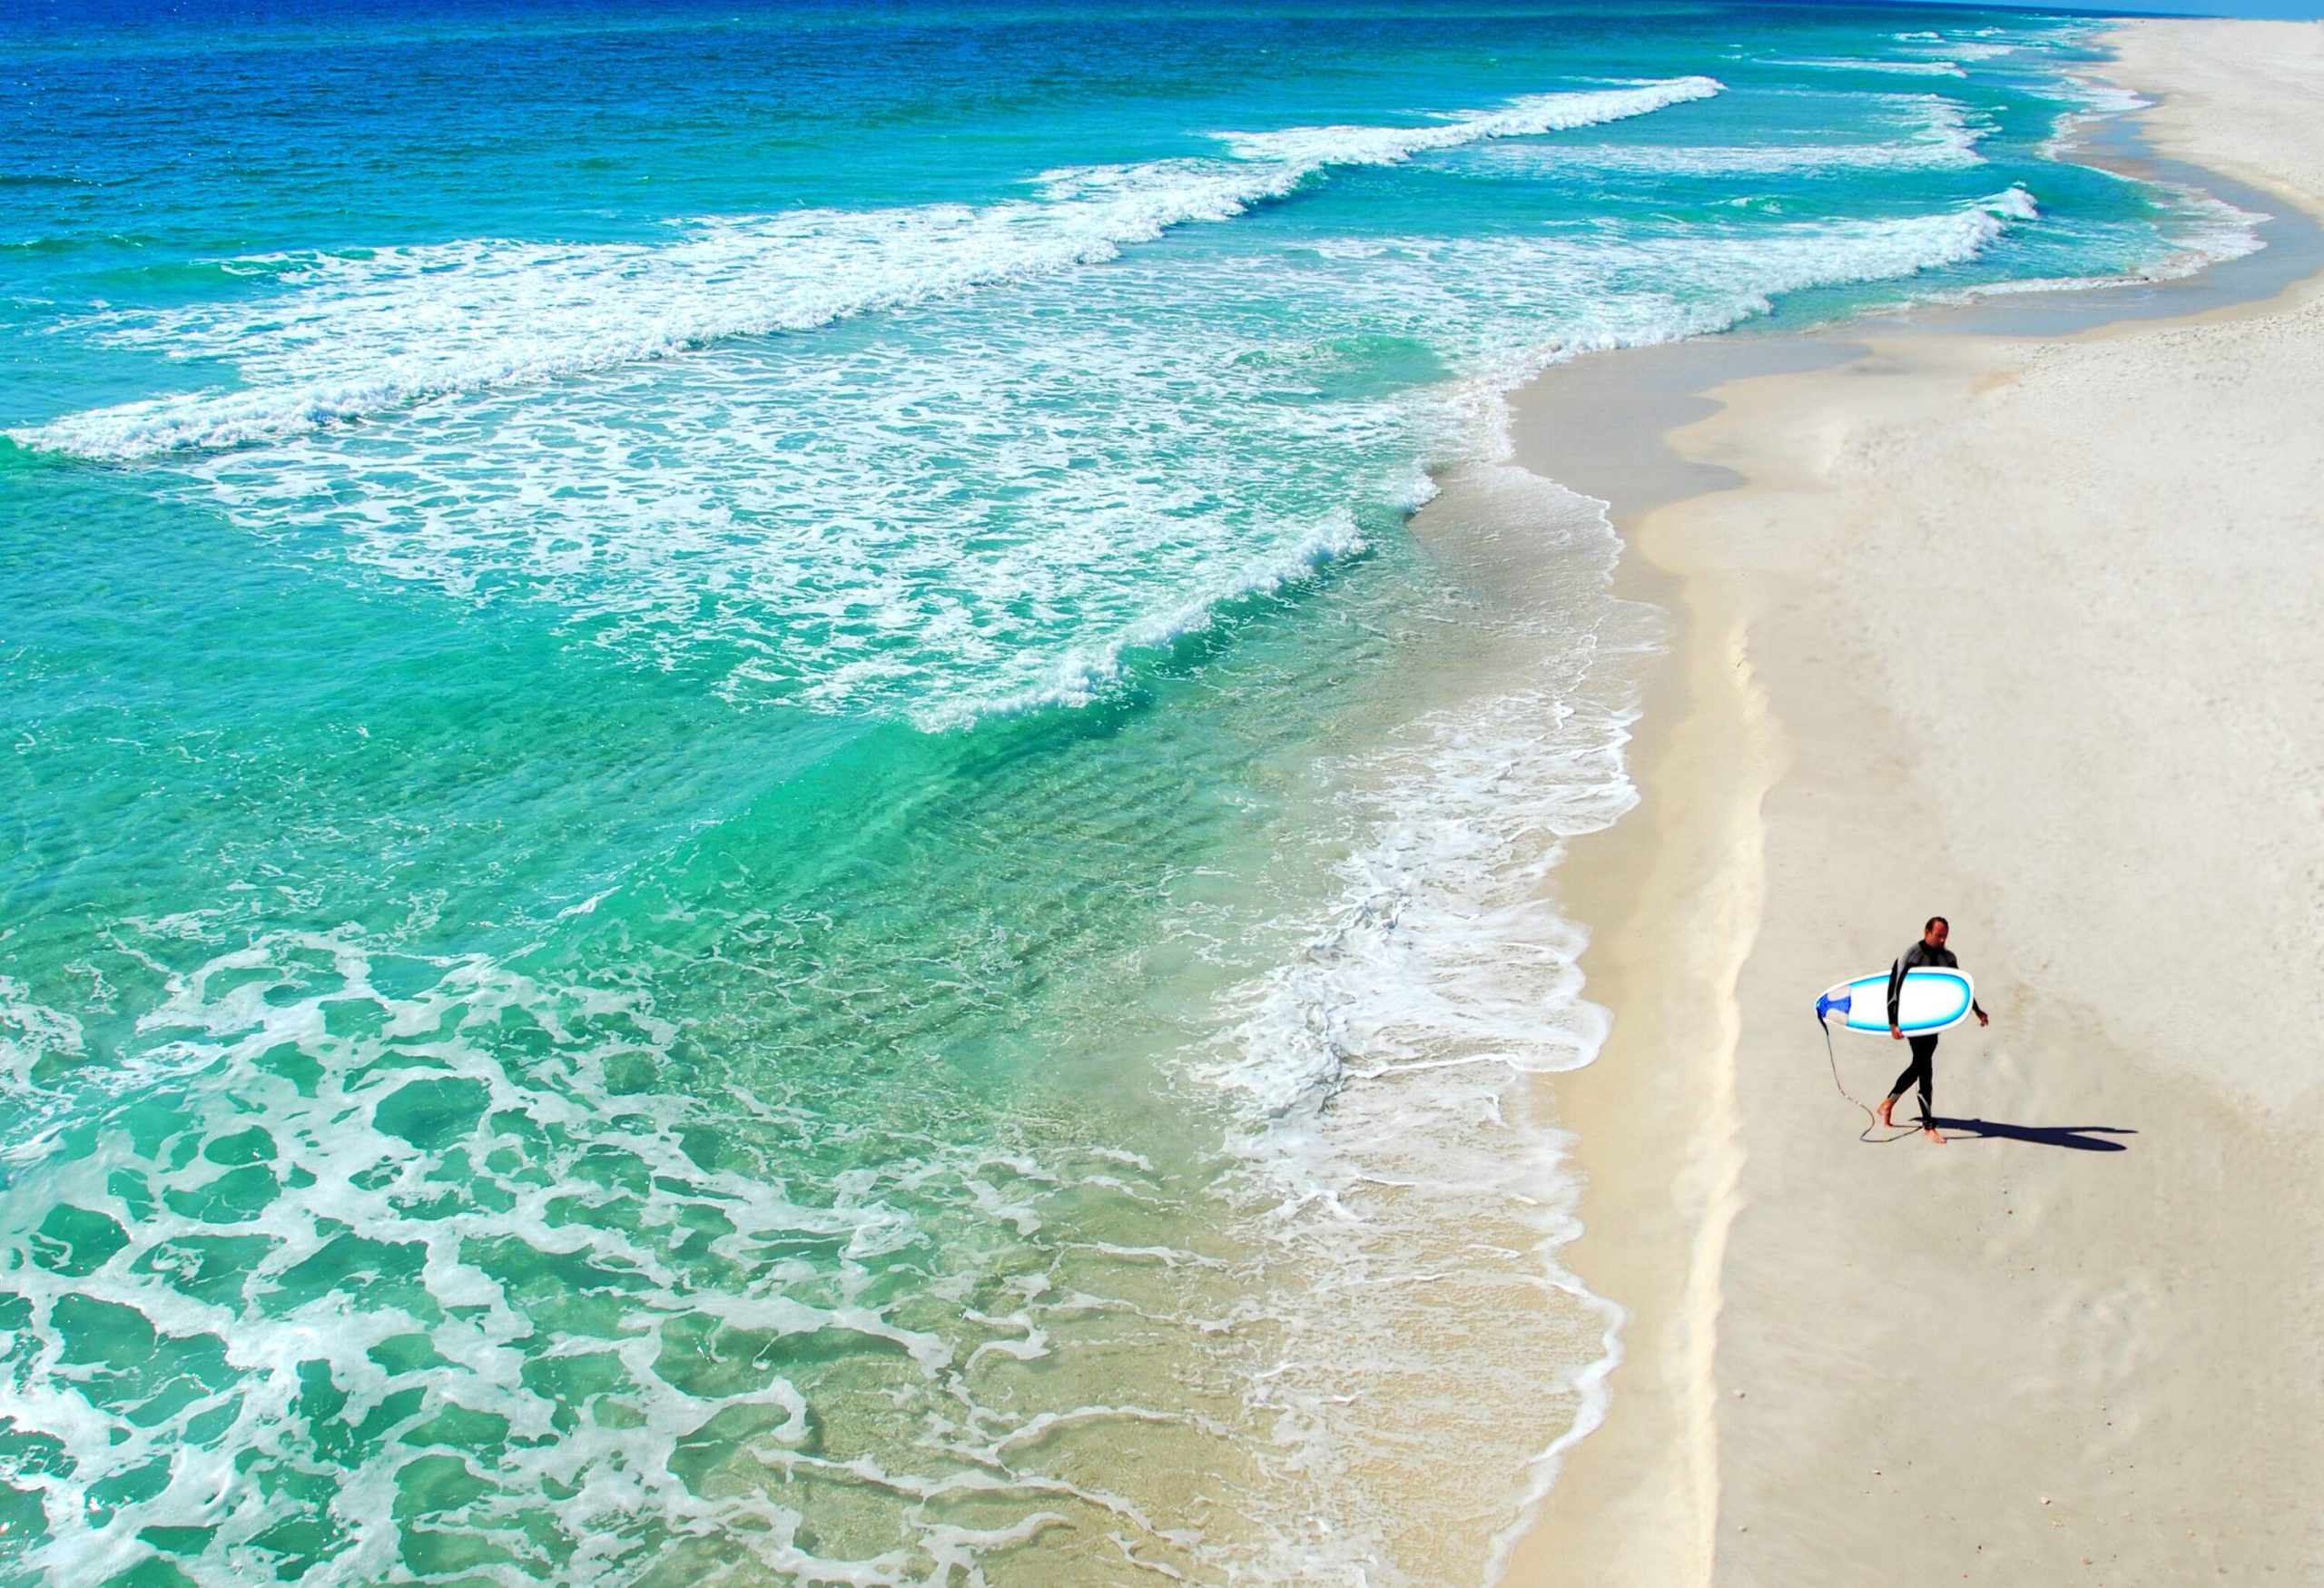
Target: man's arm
1975,1007
1895,991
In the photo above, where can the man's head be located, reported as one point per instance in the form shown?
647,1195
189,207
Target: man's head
1933,933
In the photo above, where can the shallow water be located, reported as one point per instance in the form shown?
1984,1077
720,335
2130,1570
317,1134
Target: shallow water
740,841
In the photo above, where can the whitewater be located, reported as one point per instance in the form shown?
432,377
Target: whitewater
390,325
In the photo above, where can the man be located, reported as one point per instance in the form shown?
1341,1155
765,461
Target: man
1929,951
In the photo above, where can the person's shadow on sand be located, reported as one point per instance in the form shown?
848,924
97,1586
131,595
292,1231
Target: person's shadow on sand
2081,1137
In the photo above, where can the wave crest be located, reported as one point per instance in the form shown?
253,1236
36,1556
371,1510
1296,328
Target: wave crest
359,335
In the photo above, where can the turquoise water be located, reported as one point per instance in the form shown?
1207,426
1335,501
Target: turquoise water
741,840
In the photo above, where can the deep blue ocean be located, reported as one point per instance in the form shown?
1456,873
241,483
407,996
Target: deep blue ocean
740,840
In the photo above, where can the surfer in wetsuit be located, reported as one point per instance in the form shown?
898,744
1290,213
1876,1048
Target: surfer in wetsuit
1929,951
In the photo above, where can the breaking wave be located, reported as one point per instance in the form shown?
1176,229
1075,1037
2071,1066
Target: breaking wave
361,333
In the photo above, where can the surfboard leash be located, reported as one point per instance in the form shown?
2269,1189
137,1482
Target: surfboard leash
1824,1007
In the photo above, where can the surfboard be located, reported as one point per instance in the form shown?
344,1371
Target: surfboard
1931,1001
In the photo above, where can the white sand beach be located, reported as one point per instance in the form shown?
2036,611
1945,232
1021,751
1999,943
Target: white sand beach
2027,631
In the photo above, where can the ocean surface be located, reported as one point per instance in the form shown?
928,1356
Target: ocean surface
741,838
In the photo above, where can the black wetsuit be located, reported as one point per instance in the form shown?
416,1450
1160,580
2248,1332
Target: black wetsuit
1924,1046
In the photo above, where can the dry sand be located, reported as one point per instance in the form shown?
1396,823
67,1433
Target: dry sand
2029,632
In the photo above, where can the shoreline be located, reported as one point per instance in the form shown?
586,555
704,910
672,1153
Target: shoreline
1717,1175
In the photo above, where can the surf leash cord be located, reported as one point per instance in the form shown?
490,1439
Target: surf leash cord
1826,1007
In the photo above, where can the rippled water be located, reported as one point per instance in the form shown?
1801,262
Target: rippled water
740,842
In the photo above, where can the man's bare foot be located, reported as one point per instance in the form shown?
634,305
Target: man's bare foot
1933,1134
1885,1122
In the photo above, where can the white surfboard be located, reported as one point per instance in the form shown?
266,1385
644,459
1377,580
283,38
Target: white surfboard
1931,1001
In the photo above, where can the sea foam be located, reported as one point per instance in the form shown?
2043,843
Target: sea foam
358,334
1908,67
914,524
521,1289
1380,1071
1940,134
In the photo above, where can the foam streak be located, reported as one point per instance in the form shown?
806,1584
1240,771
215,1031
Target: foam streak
360,334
